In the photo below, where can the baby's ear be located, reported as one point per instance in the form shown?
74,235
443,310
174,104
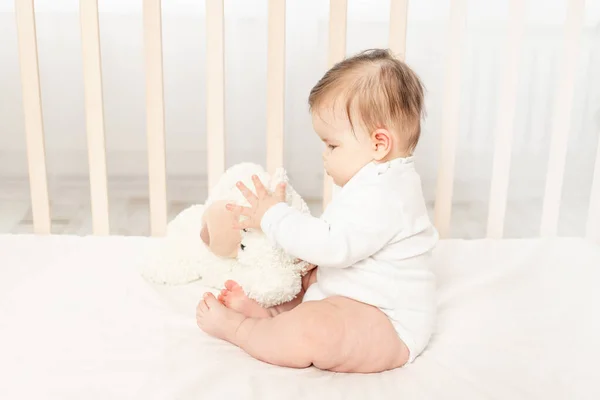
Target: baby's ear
382,142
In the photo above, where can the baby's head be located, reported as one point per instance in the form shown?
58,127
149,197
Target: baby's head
366,108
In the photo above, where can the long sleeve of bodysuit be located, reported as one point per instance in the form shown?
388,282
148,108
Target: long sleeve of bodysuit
359,229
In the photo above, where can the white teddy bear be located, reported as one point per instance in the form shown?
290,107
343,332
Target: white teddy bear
266,273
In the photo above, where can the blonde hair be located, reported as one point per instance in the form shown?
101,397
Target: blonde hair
383,90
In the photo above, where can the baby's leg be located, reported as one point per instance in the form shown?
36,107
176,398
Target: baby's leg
335,334
233,297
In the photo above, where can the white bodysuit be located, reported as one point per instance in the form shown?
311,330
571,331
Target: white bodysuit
372,244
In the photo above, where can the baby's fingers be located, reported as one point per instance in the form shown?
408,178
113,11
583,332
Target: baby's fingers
261,191
239,210
280,191
251,197
239,225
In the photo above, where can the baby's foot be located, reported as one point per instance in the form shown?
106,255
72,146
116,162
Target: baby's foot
233,297
217,320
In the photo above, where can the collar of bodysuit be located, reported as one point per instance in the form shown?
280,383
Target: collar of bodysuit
377,168
373,168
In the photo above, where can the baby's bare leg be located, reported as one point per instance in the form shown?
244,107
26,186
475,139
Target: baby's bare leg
335,334
233,297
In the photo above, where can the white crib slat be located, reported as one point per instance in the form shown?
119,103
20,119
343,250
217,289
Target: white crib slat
155,117
450,117
593,221
215,90
398,19
562,117
275,84
505,120
338,10
94,114
32,109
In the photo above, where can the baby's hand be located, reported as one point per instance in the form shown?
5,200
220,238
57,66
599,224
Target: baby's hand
259,203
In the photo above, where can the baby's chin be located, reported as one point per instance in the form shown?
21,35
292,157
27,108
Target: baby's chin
339,182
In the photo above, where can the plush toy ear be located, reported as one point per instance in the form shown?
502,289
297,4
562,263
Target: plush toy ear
205,234
218,232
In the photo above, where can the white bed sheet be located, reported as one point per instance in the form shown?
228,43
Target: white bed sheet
518,319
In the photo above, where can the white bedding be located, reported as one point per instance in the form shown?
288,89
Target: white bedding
518,319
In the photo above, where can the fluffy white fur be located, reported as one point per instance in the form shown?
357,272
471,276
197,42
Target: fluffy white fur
267,274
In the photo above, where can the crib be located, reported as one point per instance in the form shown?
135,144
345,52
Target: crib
518,318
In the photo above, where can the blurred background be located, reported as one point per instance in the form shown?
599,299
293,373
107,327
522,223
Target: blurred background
184,49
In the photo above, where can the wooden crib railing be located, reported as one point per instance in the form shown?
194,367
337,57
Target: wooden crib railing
215,107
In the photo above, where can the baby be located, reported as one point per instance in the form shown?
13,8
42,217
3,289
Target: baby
369,304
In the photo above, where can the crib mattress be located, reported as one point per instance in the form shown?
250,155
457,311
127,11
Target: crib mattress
518,319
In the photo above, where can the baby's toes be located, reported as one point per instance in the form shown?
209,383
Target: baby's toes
210,299
231,285
222,296
202,307
227,299
201,313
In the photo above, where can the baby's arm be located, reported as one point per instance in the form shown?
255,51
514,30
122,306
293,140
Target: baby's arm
368,227
367,220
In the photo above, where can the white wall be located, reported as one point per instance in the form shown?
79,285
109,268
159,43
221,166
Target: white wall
246,29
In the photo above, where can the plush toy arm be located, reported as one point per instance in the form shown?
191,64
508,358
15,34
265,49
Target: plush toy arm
318,242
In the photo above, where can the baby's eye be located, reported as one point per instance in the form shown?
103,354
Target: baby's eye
331,147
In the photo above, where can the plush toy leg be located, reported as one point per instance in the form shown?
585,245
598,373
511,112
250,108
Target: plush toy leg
307,280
